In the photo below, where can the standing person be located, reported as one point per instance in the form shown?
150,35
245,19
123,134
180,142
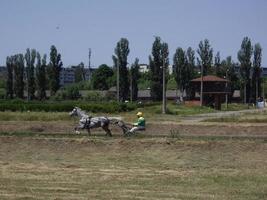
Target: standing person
140,125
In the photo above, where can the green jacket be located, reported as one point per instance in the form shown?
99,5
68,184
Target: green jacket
140,122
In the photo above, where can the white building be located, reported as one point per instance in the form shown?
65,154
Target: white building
145,68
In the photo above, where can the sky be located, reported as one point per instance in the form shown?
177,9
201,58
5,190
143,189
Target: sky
74,26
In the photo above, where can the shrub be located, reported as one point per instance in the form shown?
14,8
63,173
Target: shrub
59,96
94,96
65,106
110,96
2,93
72,92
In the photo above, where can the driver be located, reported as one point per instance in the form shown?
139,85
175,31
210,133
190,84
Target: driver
140,125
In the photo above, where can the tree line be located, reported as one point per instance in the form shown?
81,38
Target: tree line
31,73
186,66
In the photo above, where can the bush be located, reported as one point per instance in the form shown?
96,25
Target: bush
110,96
65,106
72,92
59,96
69,93
2,93
93,96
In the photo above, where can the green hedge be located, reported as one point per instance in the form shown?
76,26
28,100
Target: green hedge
108,107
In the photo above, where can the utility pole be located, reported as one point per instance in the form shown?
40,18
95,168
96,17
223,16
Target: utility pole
226,97
118,82
131,85
163,88
257,90
89,64
263,83
201,87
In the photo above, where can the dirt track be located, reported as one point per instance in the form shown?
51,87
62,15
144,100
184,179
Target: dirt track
164,129
189,125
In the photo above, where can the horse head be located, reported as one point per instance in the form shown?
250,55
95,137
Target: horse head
74,112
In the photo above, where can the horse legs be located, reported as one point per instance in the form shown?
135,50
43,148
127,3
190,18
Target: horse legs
107,130
78,128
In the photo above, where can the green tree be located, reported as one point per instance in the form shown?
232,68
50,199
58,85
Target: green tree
18,66
120,62
256,77
190,54
54,68
79,73
9,81
144,81
190,70
135,75
41,76
72,92
205,53
244,57
100,78
217,65
180,70
228,70
159,55
30,60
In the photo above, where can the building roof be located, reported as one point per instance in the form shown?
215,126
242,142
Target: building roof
210,78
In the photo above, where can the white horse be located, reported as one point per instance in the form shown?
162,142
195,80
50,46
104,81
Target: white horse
88,122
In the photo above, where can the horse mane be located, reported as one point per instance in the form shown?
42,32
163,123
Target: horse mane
82,112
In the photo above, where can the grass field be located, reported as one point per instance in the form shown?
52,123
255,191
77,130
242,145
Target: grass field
133,168
41,158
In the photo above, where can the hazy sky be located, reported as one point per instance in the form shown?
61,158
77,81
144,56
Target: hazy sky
75,25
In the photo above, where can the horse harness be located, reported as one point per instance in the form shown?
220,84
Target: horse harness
87,122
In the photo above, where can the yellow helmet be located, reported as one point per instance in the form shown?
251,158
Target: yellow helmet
139,114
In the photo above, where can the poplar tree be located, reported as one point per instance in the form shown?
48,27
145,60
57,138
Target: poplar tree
256,77
120,62
54,68
18,65
159,57
205,53
30,57
9,81
135,75
244,57
190,55
217,65
180,70
228,70
41,76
